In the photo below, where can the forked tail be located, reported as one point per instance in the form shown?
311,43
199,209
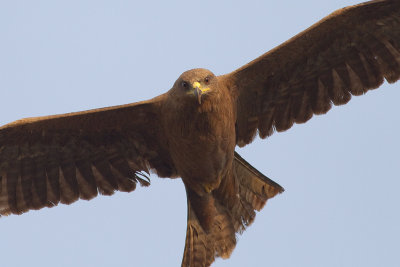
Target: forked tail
214,220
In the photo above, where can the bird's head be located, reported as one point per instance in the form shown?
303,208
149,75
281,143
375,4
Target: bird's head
196,84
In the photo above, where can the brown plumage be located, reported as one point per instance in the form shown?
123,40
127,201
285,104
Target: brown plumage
192,130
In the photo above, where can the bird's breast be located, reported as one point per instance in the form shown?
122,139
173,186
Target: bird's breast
202,142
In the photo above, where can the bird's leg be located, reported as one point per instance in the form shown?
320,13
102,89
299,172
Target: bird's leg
204,208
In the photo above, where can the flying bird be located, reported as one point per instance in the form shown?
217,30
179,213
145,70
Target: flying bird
191,131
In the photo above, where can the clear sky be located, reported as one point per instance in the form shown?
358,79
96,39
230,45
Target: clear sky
341,170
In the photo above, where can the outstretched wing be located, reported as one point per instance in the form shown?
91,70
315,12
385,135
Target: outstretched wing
347,53
63,158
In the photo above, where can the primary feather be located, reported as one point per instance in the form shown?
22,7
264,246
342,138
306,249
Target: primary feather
192,130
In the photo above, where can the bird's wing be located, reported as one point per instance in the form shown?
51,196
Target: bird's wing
63,158
347,53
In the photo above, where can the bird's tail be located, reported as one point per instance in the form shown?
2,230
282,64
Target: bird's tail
214,219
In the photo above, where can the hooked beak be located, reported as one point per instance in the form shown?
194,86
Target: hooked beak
198,91
197,94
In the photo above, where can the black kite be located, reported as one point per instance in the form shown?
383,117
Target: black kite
192,130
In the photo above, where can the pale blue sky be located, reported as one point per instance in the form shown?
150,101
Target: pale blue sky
341,171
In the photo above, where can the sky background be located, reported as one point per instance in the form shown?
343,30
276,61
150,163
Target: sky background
341,170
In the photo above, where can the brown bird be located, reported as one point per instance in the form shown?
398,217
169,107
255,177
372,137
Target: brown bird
192,130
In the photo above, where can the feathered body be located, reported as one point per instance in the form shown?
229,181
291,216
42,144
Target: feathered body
200,136
192,130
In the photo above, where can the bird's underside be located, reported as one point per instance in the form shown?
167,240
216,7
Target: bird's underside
192,130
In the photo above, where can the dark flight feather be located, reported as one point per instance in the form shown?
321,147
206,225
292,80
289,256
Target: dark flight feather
48,160
347,53
192,130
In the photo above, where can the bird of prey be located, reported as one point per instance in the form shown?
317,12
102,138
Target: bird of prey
191,131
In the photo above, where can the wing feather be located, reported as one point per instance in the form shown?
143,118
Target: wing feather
60,159
347,53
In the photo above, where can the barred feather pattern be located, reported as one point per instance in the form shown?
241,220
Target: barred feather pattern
43,172
243,191
346,54
59,159
202,247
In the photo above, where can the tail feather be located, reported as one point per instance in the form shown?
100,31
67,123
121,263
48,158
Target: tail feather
214,220
257,182
206,242
245,190
255,187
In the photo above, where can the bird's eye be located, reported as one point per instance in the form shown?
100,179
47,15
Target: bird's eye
185,85
207,80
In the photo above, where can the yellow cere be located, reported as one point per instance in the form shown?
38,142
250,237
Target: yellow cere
204,90
198,85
